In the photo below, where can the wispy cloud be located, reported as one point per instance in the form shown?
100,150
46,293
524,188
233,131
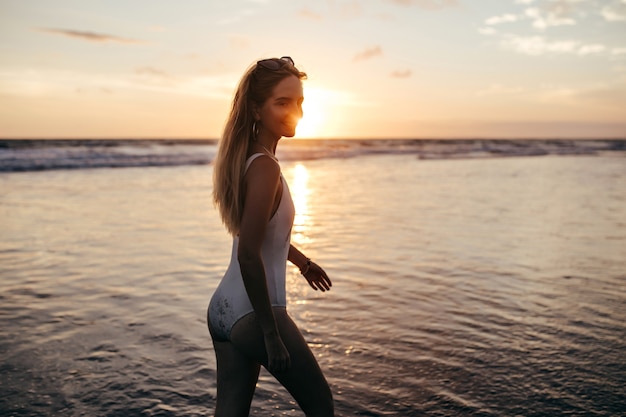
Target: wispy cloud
368,53
154,76
47,82
615,11
487,31
351,10
334,10
152,71
237,17
610,95
618,51
310,14
499,89
239,41
545,14
558,15
496,20
427,4
89,36
402,74
157,28
590,49
538,45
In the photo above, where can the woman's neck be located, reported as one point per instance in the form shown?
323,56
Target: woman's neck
267,144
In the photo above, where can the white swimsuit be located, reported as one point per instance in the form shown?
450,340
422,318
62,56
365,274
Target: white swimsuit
230,301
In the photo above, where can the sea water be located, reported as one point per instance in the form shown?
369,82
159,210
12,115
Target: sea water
461,287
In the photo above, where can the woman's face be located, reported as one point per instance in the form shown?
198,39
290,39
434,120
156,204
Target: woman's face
280,113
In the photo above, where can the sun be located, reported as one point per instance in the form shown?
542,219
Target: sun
312,123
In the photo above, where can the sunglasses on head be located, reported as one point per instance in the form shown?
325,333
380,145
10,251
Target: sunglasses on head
274,64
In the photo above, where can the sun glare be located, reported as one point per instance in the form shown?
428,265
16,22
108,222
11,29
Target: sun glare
300,194
313,107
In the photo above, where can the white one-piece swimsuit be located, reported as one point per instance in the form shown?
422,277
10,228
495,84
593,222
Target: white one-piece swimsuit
230,301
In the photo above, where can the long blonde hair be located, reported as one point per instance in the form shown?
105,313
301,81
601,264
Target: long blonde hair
255,87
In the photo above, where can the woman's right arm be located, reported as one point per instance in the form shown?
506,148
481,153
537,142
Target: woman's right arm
262,182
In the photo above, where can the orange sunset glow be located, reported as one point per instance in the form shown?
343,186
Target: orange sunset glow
377,69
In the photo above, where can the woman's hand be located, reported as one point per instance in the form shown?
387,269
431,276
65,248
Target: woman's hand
317,278
278,359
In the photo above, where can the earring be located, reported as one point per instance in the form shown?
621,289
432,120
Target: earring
255,131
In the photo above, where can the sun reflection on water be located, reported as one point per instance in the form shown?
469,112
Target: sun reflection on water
300,195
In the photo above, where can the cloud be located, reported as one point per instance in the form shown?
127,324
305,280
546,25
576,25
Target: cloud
557,16
89,36
153,72
615,12
239,15
42,82
610,95
310,14
499,89
351,10
368,53
385,17
613,96
618,51
496,20
239,41
339,10
595,48
538,45
584,15
487,31
154,77
402,74
157,28
427,4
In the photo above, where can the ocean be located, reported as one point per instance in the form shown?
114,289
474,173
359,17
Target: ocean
470,277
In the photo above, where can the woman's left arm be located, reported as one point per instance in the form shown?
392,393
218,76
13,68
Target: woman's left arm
314,274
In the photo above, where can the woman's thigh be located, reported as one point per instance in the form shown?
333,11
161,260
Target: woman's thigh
304,379
237,375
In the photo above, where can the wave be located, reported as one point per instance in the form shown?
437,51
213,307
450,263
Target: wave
34,155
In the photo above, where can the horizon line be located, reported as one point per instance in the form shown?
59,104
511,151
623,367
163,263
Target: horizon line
207,139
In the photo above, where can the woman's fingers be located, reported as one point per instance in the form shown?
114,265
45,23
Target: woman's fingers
317,278
319,282
278,359
275,366
322,285
280,364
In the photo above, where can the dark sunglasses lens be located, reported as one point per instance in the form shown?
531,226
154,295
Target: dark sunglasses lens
270,64
274,64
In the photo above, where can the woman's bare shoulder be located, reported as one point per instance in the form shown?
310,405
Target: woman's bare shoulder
263,170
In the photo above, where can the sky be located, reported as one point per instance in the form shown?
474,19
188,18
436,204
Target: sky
376,68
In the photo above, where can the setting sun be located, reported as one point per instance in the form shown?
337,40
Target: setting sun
313,107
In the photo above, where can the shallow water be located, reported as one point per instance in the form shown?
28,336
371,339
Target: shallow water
461,287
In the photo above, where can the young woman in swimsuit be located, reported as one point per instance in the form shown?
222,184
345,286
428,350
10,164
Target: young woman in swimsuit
247,315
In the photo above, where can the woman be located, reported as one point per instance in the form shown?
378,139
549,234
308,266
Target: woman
247,315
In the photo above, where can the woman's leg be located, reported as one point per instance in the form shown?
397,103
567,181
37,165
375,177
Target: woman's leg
304,379
237,375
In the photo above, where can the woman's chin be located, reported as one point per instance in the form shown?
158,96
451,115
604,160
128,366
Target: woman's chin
289,132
